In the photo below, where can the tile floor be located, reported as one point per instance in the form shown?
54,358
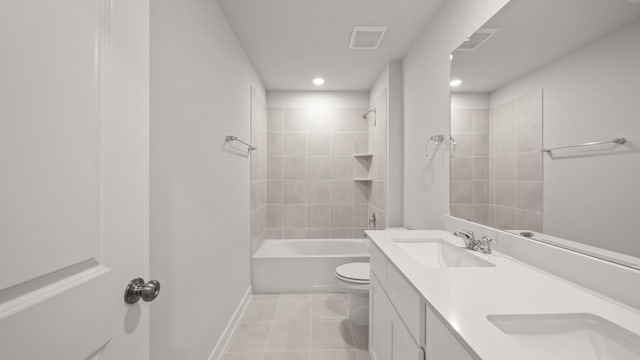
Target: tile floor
298,327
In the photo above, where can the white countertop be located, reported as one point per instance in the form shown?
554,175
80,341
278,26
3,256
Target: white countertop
465,296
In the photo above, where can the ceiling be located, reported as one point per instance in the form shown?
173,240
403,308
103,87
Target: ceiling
292,41
533,33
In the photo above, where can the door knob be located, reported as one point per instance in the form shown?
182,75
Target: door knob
138,289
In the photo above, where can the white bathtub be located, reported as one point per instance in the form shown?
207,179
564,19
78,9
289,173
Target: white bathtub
304,265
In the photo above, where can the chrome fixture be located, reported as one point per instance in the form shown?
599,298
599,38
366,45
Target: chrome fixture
138,289
469,238
437,139
618,141
250,147
453,146
527,234
372,220
483,245
366,115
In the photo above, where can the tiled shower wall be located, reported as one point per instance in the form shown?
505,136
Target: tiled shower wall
496,173
258,171
311,192
470,196
516,163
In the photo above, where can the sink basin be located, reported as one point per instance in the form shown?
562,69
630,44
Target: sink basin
439,253
570,336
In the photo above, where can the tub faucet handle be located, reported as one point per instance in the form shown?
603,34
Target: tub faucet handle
372,220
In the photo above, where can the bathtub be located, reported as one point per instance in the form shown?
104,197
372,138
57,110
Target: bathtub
304,265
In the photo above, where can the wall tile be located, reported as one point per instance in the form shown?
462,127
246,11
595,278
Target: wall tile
274,234
346,233
528,220
342,216
529,195
342,192
481,169
318,144
462,168
360,123
319,167
464,144
462,192
461,121
319,216
295,168
361,143
342,144
343,120
275,194
529,137
361,167
342,168
483,214
481,121
505,218
295,192
481,192
481,144
319,192
464,211
295,144
319,233
275,216
295,119
529,166
295,216
275,143
361,216
506,193
505,167
528,108
320,121
275,120
275,167
295,233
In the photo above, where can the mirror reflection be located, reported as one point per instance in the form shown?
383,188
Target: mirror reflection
545,114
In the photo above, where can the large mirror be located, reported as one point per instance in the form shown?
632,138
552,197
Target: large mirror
546,121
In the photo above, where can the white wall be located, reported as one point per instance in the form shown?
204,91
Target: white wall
200,91
326,99
469,101
591,95
390,79
427,110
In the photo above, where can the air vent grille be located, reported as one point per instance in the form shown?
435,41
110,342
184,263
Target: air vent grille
367,37
476,39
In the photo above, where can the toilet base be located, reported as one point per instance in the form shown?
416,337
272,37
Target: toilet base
359,308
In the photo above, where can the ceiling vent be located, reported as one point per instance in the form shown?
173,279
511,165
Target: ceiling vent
476,39
366,37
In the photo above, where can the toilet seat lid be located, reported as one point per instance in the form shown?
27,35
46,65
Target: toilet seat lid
356,272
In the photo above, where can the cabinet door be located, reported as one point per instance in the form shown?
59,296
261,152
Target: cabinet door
403,347
379,322
441,343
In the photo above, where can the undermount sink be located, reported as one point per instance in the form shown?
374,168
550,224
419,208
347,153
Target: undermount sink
570,336
439,253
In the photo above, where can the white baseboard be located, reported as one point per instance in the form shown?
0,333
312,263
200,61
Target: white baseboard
218,350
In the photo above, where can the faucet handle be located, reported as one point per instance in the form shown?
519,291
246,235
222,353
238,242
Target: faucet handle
485,244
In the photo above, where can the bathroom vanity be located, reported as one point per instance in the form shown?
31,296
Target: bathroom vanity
431,298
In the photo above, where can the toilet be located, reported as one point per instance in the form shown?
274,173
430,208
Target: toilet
354,278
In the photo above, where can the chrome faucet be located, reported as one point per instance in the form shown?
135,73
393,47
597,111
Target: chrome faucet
373,220
483,245
469,238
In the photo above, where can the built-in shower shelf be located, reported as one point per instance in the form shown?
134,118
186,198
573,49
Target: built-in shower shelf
362,155
363,179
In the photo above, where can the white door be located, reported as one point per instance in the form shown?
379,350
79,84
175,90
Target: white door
73,178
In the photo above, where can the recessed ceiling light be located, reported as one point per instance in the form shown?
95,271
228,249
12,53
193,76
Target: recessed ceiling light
318,81
455,82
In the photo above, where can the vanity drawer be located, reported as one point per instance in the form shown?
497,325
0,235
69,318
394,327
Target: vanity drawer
378,264
407,302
